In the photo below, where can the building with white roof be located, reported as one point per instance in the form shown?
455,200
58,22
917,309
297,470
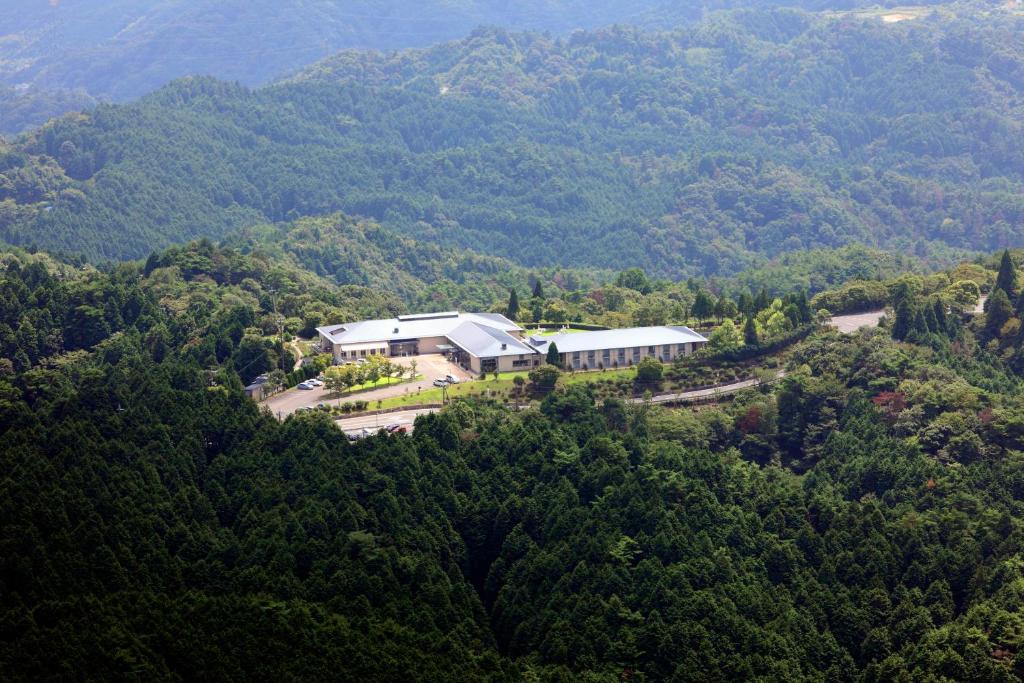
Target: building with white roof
485,342
482,342
622,347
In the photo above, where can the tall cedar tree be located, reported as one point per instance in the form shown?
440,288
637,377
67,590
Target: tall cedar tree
750,332
999,311
904,321
553,357
538,290
1006,279
512,312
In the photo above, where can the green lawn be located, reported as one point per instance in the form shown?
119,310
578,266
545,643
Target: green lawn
504,385
386,382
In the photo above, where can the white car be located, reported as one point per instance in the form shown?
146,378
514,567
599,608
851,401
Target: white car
451,379
314,382
305,386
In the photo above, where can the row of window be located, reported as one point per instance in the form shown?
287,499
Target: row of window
633,354
362,353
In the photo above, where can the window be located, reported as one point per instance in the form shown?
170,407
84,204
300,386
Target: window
606,355
636,354
520,363
362,352
650,350
622,354
590,356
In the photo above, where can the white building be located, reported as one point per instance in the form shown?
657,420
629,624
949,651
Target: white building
482,342
485,342
621,348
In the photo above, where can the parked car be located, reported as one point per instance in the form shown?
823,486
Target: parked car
305,386
451,379
395,429
440,382
314,382
360,361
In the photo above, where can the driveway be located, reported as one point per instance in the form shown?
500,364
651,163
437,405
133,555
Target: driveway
430,366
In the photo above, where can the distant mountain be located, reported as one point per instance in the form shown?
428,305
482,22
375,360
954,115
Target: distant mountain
700,151
121,49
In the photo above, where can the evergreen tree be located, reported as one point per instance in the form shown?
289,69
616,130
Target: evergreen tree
904,320
538,290
512,312
804,306
703,307
939,312
750,331
1006,279
745,303
999,311
553,357
931,322
762,301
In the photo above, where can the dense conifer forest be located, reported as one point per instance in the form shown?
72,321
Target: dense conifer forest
849,510
857,521
693,152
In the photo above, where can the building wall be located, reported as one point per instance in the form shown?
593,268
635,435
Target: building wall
430,344
631,356
508,363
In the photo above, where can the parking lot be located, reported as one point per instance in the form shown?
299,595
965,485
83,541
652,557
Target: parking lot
430,366
366,425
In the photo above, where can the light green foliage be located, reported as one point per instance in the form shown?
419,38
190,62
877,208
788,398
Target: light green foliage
725,337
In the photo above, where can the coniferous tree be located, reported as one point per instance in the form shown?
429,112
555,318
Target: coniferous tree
804,306
553,357
750,331
512,312
1006,279
999,311
931,322
538,290
939,312
904,321
762,301
703,307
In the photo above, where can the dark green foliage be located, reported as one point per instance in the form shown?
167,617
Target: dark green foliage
749,331
154,523
1006,276
553,358
512,310
997,312
649,371
580,151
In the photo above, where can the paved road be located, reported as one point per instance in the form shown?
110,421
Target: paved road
354,425
431,366
700,394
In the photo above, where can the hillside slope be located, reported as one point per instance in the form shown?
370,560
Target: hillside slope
119,50
700,151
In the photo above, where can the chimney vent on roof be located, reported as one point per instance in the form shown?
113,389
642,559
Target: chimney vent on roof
504,346
396,331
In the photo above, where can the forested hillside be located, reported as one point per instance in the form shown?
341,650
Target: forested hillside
858,522
63,52
694,152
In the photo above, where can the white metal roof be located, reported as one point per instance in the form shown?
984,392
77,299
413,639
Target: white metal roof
487,342
412,327
618,339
